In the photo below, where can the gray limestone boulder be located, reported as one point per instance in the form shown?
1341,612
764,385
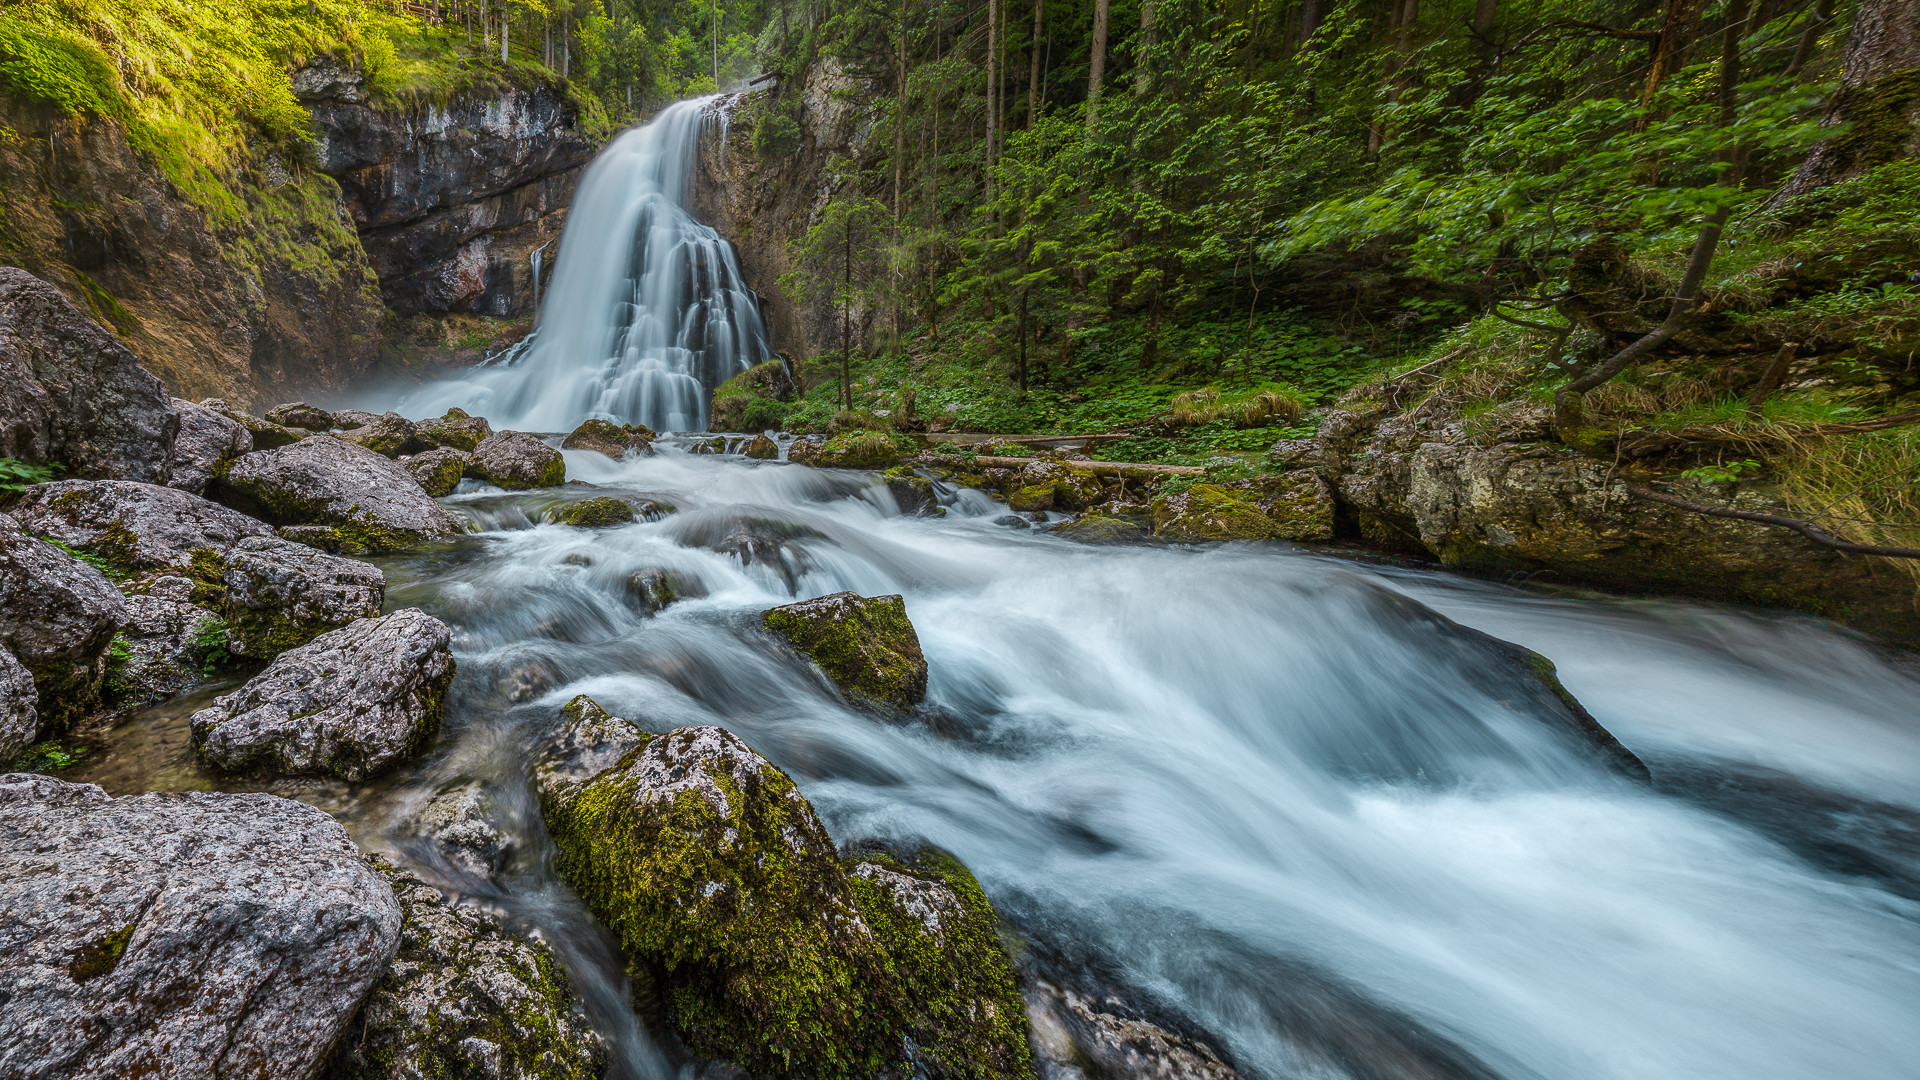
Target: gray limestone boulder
208,443
348,703
454,431
71,394
349,419
438,471
389,435
590,741
466,998
299,414
282,594
265,433
1074,1030
464,824
517,461
57,617
19,709
371,504
180,935
164,640
135,527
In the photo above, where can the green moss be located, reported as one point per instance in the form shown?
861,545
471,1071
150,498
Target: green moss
116,684
50,756
1210,512
597,513
858,450
207,569
101,957
866,645
1032,497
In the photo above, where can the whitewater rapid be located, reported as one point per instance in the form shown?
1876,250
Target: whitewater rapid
647,311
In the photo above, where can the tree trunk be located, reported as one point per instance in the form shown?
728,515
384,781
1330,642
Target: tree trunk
1483,15
1406,15
1142,73
1879,98
846,318
1033,70
993,74
504,11
1097,61
1310,14
1817,21
1678,30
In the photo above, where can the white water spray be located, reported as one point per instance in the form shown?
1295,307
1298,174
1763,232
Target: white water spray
647,311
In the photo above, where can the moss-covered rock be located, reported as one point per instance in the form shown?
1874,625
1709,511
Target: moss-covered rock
859,450
390,435
370,503
743,399
517,461
454,431
614,440
912,493
865,645
762,448
439,471
595,513
1047,484
1031,498
1210,512
299,414
803,452
760,945
1299,503
463,997
281,594
1101,529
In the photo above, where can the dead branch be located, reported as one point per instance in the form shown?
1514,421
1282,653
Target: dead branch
1805,528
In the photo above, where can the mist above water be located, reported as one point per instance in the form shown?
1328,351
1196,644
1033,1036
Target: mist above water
647,311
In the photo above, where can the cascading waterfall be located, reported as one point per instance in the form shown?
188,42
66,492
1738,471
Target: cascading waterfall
647,311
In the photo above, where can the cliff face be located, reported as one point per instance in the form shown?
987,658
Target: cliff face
450,201
763,203
276,282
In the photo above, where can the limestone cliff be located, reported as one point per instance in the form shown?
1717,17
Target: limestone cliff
762,200
275,281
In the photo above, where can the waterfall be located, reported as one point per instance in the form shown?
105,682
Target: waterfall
647,310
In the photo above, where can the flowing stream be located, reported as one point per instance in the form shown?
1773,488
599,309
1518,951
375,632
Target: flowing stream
1263,789
647,311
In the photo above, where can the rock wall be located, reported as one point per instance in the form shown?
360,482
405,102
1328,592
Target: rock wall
450,200
275,282
762,204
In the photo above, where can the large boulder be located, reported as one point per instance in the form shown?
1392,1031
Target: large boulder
517,461
19,709
761,448
1210,512
1045,484
162,650
281,595
590,741
57,617
180,935
454,431
596,513
71,394
265,433
390,435
761,945
1299,503
864,644
299,414
369,502
135,527
752,397
614,440
206,446
856,450
437,471
348,703
464,998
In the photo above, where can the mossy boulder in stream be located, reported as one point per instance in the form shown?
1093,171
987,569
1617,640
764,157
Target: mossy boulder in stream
454,431
371,504
858,450
281,595
595,513
757,942
517,461
864,644
1211,512
439,470
614,440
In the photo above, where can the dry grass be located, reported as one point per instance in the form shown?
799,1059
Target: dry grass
1863,487
1204,406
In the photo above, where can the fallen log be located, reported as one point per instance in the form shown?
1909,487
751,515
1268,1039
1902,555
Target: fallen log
1125,470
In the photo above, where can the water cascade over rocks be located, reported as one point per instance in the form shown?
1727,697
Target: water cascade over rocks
647,311
1245,807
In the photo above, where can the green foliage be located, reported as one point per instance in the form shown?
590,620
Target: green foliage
18,475
108,568
1725,472
50,756
210,638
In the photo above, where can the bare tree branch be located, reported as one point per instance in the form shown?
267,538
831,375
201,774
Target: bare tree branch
1805,528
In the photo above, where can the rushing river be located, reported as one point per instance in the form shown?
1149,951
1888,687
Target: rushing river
1252,784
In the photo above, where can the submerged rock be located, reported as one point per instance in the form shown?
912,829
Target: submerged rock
370,503
19,709
517,461
133,526
614,440
760,945
282,594
463,824
71,394
1211,512
596,513
389,435
464,998
454,431
864,644
654,588
207,445
299,414
180,935
57,618
349,703
437,471
1072,1030
911,492
761,448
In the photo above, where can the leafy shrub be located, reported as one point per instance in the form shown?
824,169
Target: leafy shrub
18,475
